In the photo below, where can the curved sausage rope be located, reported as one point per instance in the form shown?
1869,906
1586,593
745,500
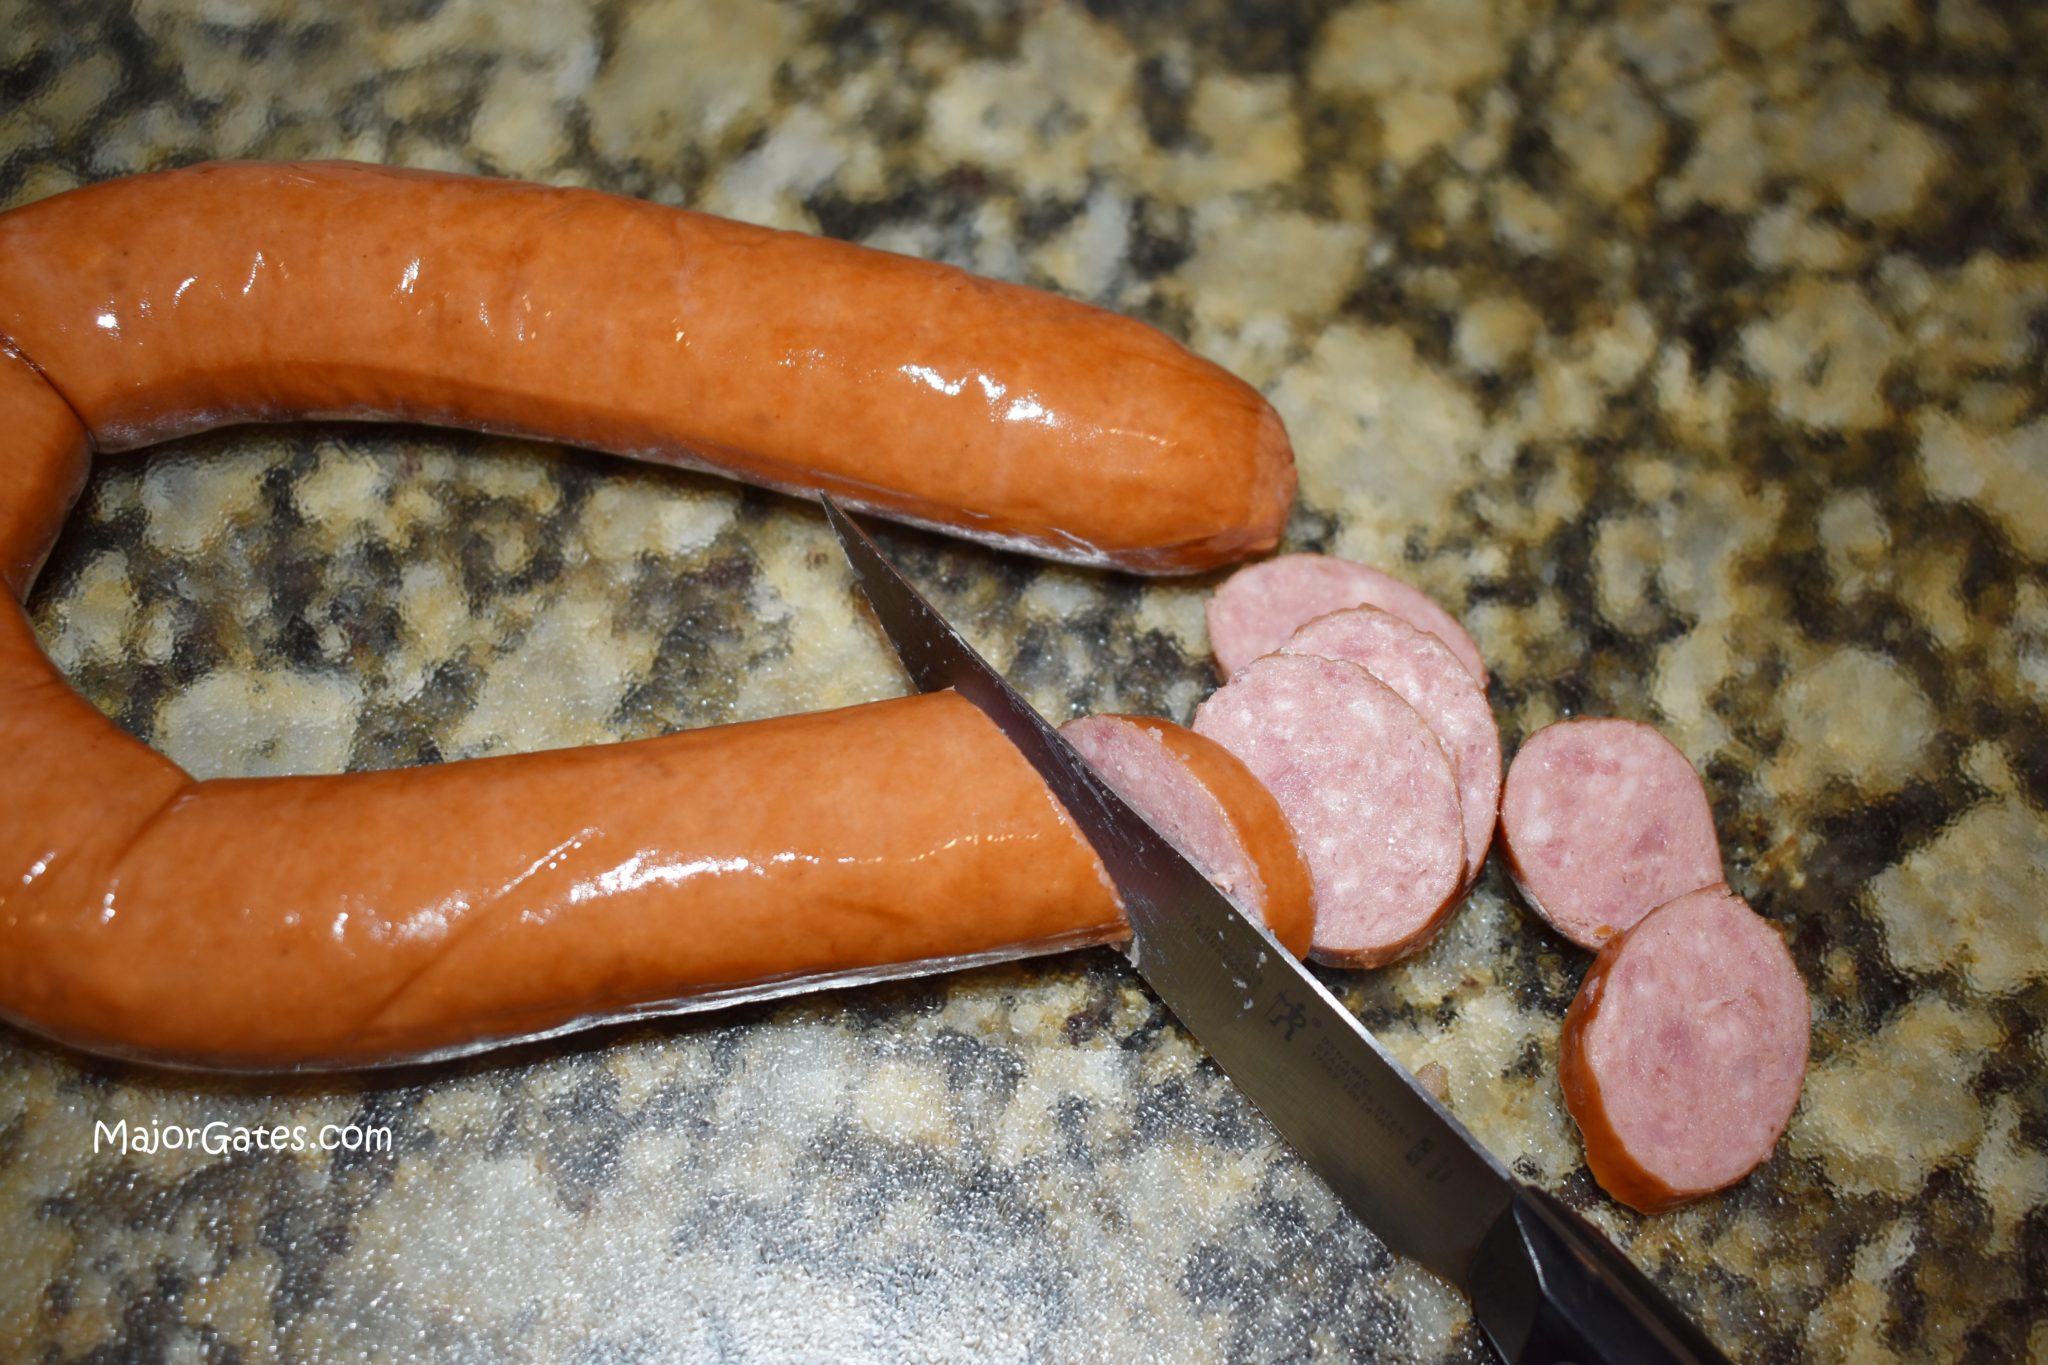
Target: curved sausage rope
389,916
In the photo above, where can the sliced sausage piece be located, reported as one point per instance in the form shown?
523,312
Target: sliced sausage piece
1683,1055
1208,803
1368,789
1602,821
1255,611
1424,673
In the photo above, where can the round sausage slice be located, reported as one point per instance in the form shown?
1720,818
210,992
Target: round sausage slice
1255,611
1424,673
1603,820
1216,813
1368,789
1683,1055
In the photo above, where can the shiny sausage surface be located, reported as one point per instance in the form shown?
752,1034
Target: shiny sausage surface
385,916
169,303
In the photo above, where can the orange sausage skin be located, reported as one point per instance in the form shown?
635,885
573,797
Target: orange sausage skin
1607,1156
373,917
178,301
44,460
292,921
377,917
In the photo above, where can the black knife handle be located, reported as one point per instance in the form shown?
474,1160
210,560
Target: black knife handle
1548,1288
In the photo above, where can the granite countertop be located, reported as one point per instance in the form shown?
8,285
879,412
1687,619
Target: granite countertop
1693,353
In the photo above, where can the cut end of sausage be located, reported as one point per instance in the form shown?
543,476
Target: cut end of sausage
1683,1055
1603,820
1368,789
1424,673
1212,808
1255,611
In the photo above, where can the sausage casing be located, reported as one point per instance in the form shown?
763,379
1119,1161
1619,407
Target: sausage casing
233,292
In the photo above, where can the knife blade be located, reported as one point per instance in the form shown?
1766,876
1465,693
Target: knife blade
1545,1285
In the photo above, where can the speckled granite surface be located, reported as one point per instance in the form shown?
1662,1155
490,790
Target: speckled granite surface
1693,353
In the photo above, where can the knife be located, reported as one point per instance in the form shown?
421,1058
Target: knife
1543,1283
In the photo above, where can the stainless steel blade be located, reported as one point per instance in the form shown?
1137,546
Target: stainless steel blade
1388,1149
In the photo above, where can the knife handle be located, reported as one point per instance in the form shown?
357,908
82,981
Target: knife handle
1547,1287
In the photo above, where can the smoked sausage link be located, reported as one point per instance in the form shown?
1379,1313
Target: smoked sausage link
374,917
174,302
389,916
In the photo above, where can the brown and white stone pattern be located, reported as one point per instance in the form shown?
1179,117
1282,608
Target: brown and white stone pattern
1692,352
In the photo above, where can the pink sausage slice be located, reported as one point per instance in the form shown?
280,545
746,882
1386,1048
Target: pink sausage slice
1215,812
1255,611
1683,1055
1602,821
1368,789
1424,673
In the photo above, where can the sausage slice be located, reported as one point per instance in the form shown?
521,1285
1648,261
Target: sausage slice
1683,1055
1368,789
1255,611
1424,673
1603,820
1212,808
